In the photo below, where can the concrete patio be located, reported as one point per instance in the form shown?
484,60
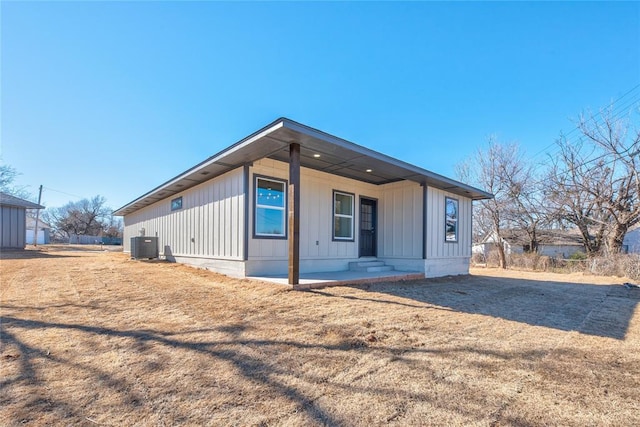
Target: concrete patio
336,278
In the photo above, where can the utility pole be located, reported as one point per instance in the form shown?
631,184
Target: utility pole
35,232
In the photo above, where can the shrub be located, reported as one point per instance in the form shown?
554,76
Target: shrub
478,258
631,266
621,265
530,261
493,258
578,256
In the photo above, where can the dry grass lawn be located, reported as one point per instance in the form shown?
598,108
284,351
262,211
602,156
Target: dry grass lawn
93,338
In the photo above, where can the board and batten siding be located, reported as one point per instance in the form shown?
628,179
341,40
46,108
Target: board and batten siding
399,221
437,247
209,230
13,221
209,225
316,213
442,257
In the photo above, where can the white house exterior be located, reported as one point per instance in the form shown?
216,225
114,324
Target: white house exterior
631,242
235,213
44,232
552,243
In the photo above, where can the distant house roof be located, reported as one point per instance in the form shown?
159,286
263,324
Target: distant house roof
554,237
318,150
31,223
9,200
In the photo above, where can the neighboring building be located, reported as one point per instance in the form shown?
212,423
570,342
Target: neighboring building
239,211
631,242
13,221
44,231
553,243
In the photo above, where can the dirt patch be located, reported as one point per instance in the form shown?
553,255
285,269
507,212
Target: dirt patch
94,338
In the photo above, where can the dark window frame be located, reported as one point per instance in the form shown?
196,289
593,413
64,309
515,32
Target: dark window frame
176,204
256,177
333,217
447,200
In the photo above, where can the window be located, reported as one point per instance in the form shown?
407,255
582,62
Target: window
342,216
451,220
176,204
270,208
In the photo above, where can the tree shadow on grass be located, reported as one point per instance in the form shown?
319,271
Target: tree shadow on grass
30,254
601,310
252,368
256,367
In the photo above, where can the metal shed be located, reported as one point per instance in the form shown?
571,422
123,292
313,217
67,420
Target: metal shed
13,221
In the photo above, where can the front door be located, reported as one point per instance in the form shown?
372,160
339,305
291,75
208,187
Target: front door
368,222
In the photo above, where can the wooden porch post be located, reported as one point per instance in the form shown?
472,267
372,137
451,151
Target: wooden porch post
294,214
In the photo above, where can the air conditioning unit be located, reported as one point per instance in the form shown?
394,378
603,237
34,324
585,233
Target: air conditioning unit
143,247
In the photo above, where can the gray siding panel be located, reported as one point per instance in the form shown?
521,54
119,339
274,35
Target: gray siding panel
13,221
436,245
316,205
400,221
399,217
209,225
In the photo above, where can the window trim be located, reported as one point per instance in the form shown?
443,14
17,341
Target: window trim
177,201
352,216
285,209
447,200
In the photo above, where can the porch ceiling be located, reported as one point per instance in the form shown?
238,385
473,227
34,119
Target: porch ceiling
318,150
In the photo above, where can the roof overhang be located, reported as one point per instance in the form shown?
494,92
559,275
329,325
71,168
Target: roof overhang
9,200
318,150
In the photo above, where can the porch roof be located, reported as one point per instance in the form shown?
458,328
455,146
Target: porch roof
318,150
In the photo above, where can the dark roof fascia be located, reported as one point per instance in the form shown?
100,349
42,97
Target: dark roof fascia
216,157
382,157
445,183
9,200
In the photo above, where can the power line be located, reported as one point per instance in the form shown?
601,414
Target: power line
623,106
577,138
62,192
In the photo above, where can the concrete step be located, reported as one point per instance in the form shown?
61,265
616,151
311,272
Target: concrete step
366,264
381,268
369,266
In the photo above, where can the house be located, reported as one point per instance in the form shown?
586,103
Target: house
290,199
555,243
13,221
44,231
631,242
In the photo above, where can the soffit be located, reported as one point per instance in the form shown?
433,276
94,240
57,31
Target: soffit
318,150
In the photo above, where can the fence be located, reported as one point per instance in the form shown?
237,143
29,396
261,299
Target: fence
81,239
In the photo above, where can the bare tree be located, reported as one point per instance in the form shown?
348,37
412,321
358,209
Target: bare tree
572,191
621,195
502,171
594,183
524,207
8,176
113,227
85,217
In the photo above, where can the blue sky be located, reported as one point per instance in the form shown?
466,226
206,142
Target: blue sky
114,98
